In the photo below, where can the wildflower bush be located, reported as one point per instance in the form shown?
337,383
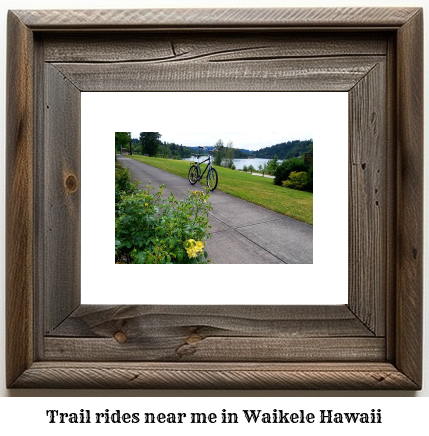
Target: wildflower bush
123,182
152,229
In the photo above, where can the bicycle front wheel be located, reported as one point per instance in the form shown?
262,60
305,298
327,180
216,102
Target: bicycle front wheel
212,179
193,175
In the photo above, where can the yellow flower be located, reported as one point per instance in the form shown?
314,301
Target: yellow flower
146,205
191,253
193,248
199,246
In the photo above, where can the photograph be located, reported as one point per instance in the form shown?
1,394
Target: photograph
189,198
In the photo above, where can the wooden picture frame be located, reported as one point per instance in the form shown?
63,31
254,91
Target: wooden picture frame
373,342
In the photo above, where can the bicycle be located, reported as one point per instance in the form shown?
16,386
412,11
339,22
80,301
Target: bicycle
195,175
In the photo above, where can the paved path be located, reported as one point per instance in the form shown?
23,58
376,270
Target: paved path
242,232
265,175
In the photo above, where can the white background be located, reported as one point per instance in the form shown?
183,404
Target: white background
28,414
107,112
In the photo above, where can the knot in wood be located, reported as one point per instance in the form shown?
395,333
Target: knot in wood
193,338
71,183
120,337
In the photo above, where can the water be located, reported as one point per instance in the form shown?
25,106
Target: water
240,163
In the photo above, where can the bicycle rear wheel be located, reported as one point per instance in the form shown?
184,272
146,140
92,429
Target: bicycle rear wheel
212,179
193,175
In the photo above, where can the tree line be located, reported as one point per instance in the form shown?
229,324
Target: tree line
150,144
285,150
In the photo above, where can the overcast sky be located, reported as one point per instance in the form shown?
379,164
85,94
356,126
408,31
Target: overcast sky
247,140
251,120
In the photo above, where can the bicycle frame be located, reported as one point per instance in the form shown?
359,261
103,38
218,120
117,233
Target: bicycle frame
201,175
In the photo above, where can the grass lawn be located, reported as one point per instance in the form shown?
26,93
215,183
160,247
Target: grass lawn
255,189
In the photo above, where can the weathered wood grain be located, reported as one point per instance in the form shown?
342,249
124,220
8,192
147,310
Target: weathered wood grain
409,279
134,322
39,152
119,375
19,200
324,74
150,19
217,348
61,208
213,333
391,190
174,47
368,203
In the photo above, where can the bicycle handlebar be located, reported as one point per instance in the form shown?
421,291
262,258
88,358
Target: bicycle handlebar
210,151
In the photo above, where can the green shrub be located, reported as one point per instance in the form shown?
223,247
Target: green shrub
151,229
123,182
297,181
283,171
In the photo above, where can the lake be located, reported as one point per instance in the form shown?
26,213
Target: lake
240,163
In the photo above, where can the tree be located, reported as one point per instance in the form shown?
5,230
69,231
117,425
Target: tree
229,155
135,145
122,139
163,150
240,154
150,142
219,153
272,165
